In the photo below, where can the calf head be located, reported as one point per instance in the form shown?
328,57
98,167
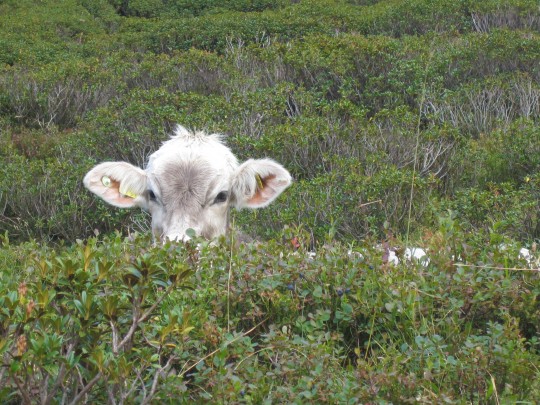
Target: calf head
190,182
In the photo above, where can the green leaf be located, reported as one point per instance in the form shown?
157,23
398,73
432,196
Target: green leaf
78,304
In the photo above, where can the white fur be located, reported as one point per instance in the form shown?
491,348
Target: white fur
217,171
246,185
132,181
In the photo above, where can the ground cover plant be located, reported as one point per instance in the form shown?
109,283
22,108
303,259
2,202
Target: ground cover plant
116,319
402,122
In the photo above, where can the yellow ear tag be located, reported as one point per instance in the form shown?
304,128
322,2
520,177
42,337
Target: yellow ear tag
127,193
106,181
260,184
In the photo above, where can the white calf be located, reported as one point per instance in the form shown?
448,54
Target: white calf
190,182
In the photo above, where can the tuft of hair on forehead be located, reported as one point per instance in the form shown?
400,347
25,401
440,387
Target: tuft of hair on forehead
192,145
181,132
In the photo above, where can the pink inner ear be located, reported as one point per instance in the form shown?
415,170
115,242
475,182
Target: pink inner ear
262,195
112,194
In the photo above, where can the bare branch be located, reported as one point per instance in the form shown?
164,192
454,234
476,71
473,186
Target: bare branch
183,372
26,396
86,388
158,374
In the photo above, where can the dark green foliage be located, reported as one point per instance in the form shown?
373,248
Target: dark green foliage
399,120
112,318
67,312
359,101
189,8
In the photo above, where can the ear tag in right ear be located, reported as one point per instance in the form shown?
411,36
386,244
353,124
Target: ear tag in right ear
106,181
260,185
127,192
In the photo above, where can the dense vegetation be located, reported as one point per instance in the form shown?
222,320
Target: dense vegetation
400,120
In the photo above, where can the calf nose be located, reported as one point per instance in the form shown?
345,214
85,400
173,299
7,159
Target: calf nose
176,237
180,236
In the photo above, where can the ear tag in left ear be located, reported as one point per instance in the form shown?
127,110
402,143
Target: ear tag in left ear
127,192
260,185
106,181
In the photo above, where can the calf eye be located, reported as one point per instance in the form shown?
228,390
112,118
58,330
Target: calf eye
221,197
151,195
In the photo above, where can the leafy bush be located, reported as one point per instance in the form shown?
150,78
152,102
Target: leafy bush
44,197
501,206
53,101
60,309
188,8
488,15
399,120
117,319
485,106
48,31
509,154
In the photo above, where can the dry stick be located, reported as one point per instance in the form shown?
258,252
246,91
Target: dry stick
183,373
229,280
482,266
136,322
421,104
86,388
22,390
494,385
369,203
156,380
253,354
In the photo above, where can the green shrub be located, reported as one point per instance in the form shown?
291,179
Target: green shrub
45,32
41,191
55,314
493,14
58,94
188,8
117,318
348,204
502,206
494,103
506,155
387,113
352,98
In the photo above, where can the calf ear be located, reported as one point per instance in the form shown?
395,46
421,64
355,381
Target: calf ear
259,182
118,183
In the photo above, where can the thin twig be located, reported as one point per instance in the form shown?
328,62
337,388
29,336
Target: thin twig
229,282
417,143
125,395
86,388
483,266
156,379
131,331
369,203
60,378
494,389
368,347
137,321
22,390
253,354
158,301
182,373
111,394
